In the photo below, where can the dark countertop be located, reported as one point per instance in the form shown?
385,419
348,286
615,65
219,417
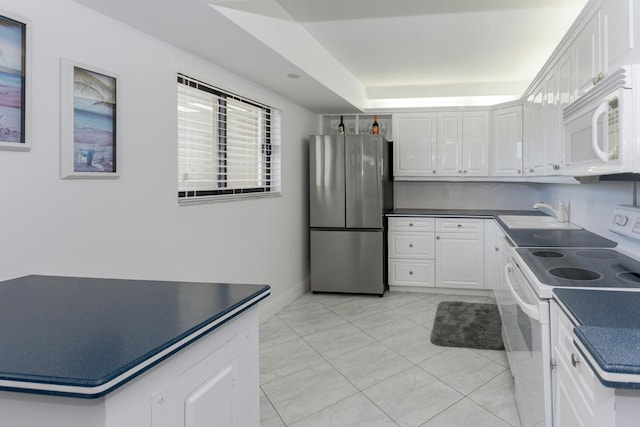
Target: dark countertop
84,337
607,333
457,213
531,238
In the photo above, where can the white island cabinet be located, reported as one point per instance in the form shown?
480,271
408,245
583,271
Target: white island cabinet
579,397
129,353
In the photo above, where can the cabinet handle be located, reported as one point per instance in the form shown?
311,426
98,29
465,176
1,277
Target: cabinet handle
519,172
437,237
410,245
410,273
575,359
433,171
459,172
497,249
464,172
598,78
410,224
459,225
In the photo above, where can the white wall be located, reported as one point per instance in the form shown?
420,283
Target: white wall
132,227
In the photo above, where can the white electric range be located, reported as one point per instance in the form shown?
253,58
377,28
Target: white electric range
530,274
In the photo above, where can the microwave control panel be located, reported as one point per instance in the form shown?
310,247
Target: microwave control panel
626,221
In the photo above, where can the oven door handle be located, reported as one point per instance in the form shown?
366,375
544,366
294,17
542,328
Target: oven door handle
529,309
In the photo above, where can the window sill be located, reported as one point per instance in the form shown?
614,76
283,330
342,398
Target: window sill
188,201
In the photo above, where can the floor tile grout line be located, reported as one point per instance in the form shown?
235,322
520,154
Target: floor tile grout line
273,406
379,341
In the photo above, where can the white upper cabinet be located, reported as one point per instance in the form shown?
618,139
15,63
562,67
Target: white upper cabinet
476,142
617,33
553,124
604,44
507,141
449,147
586,56
533,161
414,144
463,143
441,144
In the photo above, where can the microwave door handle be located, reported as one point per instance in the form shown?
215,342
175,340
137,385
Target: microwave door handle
529,309
601,110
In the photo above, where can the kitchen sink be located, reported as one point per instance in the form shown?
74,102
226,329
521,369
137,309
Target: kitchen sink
536,222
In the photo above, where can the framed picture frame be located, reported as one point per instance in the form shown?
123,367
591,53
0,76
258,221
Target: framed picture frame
89,122
15,82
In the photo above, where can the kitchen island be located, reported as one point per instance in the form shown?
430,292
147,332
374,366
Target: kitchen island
110,352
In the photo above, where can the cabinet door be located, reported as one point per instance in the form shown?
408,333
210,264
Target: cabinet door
552,124
493,237
449,146
533,129
476,134
414,147
507,141
460,260
586,55
617,33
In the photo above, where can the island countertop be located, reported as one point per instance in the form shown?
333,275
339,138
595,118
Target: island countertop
607,333
84,337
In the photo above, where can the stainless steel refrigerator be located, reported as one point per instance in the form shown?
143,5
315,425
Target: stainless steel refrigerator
350,190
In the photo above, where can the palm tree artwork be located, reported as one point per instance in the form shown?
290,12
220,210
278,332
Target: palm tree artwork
94,124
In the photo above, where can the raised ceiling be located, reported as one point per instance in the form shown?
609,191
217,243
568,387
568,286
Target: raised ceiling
364,55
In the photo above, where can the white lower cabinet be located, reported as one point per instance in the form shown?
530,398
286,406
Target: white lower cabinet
411,252
436,252
579,399
460,253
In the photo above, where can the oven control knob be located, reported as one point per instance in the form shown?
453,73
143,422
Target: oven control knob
624,220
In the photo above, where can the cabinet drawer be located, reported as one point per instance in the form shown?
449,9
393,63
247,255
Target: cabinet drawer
410,245
460,225
412,224
412,272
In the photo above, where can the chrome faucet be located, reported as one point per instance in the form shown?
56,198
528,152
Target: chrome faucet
561,214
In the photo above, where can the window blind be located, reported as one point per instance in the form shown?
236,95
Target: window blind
228,146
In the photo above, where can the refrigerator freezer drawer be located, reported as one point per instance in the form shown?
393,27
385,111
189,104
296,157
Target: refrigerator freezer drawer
347,261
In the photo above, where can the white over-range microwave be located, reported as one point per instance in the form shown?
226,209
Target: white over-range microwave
599,129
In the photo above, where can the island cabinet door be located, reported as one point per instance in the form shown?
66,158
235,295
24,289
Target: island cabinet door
218,390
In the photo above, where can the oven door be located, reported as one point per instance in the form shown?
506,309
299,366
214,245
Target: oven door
526,323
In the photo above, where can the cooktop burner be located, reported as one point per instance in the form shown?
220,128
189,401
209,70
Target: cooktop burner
547,254
571,267
573,273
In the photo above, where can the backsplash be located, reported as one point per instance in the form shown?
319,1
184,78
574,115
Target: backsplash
465,195
591,206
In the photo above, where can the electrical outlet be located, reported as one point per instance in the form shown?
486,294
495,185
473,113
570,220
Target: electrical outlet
591,206
445,193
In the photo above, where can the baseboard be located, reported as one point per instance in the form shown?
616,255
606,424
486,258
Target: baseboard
448,291
275,303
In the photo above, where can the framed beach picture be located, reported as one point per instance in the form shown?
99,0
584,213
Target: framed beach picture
89,128
15,85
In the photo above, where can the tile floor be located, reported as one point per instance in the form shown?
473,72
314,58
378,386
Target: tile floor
343,360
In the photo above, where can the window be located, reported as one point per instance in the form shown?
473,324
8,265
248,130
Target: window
228,146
